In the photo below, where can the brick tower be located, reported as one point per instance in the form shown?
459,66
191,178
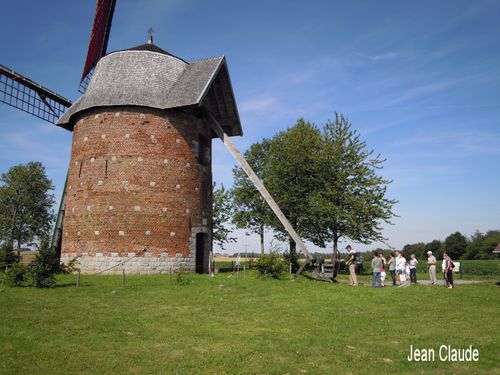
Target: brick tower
140,179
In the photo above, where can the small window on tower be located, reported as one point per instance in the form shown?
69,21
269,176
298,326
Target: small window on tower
203,151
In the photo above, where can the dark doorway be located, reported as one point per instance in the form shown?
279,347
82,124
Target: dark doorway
200,251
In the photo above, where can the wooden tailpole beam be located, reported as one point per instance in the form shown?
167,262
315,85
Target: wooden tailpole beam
260,187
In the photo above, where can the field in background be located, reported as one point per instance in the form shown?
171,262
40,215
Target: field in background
237,326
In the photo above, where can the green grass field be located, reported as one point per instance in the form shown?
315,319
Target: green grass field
247,326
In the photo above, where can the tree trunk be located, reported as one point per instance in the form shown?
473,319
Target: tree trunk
293,246
18,247
261,240
294,259
335,255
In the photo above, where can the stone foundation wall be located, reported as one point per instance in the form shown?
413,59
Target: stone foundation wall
144,264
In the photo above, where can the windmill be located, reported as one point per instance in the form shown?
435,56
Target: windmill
140,171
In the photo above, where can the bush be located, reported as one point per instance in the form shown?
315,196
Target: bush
480,267
181,276
16,274
293,258
43,268
271,265
7,255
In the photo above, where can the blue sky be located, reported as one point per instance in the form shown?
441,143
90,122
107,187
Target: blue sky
420,80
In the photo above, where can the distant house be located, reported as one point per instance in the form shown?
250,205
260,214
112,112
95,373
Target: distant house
497,249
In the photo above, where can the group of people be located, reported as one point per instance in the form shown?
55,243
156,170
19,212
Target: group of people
402,272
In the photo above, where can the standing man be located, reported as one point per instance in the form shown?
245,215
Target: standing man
376,269
351,262
392,268
431,264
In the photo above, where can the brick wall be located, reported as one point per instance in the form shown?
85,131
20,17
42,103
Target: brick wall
139,186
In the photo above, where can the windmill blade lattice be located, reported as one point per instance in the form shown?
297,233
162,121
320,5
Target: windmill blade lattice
28,96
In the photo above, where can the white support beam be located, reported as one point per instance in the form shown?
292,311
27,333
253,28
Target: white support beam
258,184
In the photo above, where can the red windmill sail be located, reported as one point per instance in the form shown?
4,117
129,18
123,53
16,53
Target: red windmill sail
98,38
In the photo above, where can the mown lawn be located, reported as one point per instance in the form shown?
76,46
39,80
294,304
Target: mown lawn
242,326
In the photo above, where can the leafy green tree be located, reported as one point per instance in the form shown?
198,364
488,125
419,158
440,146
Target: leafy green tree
26,204
251,211
455,245
7,255
291,176
417,248
221,212
349,197
473,246
435,246
490,241
42,270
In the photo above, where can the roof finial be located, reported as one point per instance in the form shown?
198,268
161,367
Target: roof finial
150,35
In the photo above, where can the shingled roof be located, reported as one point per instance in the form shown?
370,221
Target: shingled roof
148,76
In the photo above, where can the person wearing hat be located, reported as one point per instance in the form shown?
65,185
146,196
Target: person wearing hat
351,262
431,264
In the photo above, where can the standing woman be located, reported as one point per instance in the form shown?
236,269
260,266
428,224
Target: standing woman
401,268
351,260
392,268
448,270
382,271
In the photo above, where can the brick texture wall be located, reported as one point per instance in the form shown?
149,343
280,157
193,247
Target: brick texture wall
139,187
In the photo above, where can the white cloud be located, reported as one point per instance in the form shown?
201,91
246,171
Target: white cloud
259,104
380,57
421,90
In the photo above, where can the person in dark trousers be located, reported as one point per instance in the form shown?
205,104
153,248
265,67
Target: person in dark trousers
376,269
392,268
413,269
448,271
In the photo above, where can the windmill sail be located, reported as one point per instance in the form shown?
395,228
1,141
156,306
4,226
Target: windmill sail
98,39
28,96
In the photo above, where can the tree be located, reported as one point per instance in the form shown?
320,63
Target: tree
349,198
436,247
473,246
26,213
455,245
45,266
417,248
7,255
290,175
251,211
490,241
221,211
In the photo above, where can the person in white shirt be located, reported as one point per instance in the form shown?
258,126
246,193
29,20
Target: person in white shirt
401,268
413,269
